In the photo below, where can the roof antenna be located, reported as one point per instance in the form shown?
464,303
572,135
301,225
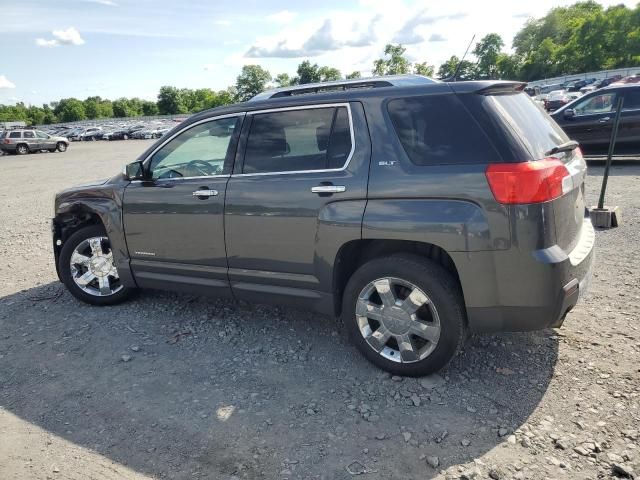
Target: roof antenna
455,74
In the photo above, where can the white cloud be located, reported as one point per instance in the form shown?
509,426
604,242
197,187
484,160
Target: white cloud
109,3
70,36
330,36
284,16
222,23
6,83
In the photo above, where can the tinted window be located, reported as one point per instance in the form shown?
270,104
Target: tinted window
14,135
599,103
632,99
298,140
518,128
41,134
29,135
199,151
438,130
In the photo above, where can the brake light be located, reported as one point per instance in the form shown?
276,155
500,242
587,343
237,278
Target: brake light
528,182
6,141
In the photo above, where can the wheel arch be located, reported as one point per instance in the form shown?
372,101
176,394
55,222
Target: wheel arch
79,213
355,253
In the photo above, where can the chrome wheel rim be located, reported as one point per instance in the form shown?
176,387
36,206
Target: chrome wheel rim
92,268
62,147
398,320
22,149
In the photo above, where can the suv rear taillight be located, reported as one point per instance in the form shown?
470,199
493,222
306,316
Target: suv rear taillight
528,182
6,141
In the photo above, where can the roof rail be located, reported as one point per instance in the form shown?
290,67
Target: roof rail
321,87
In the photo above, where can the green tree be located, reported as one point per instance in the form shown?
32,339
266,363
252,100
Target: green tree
466,71
169,101
36,115
328,74
282,80
395,64
353,75
424,69
307,73
487,51
70,110
251,81
149,108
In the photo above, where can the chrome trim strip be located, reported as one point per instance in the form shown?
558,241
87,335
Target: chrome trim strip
181,178
307,107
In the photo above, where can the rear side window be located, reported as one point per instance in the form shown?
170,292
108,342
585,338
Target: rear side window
14,135
298,140
632,100
518,127
437,129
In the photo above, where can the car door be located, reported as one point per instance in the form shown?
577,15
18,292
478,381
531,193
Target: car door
45,140
30,139
298,170
629,129
592,121
174,221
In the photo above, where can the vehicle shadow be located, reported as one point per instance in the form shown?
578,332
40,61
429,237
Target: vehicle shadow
175,386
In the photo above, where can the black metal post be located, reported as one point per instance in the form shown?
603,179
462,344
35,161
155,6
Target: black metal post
612,144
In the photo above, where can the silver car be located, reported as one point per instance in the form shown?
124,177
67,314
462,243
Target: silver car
23,141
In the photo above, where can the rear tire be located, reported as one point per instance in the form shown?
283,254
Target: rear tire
125,137
61,147
22,149
91,281
406,339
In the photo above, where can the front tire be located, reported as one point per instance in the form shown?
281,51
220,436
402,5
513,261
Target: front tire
87,269
405,314
61,147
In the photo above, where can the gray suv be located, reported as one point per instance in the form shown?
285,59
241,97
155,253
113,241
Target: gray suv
413,210
27,140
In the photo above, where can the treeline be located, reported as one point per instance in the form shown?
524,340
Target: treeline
583,37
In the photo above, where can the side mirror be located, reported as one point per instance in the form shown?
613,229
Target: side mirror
569,113
133,171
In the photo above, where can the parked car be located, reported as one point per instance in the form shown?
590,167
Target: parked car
92,134
589,119
413,209
631,79
556,99
605,82
23,141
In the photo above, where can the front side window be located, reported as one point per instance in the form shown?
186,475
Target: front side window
601,103
298,140
40,134
29,135
200,151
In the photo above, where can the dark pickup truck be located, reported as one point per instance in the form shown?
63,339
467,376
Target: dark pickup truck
412,209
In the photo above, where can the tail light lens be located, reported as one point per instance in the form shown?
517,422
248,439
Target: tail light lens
6,141
528,182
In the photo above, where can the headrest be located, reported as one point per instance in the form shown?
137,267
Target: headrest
322,137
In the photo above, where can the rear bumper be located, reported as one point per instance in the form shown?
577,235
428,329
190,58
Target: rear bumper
535,291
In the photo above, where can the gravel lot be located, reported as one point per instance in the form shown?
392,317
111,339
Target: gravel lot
183,387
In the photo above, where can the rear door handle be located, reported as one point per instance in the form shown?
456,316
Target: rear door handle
205,193
329,189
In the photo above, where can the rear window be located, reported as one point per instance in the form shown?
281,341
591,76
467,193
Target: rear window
435,130
519,128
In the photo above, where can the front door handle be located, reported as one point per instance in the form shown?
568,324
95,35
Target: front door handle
605,120
329,189
205,193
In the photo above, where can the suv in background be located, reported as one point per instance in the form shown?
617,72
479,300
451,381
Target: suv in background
589,119
414,210
25,140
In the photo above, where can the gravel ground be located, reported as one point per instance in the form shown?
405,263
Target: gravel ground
182,387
